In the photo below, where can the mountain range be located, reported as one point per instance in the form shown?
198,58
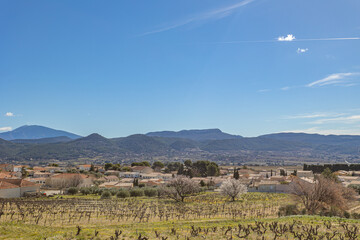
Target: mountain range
35,132
196,135
37,143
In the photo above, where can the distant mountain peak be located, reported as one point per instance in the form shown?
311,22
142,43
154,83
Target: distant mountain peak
35,132
94,137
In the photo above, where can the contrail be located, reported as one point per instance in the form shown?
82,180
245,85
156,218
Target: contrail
328,39
293,40
205,16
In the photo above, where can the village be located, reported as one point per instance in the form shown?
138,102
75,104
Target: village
25,181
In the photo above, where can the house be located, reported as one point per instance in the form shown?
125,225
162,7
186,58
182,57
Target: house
42,174
155,175
126,180
5,175
307,174
278,178
129,174
13,188
54,169
84,167
270,187
110,178
152,182
41,181
17,168
39,169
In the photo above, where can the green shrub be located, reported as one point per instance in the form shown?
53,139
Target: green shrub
94,190
85,191
136,192
288,210
150,192
106,195
73,191
123,194
113,191
332,212
100,191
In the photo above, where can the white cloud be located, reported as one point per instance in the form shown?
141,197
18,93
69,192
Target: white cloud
288,38
343,120
333,79
285,88
302,50
210,15
314,115
316,130
5,129
339,123
9,114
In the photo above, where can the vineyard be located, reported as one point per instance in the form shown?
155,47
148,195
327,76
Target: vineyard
206,216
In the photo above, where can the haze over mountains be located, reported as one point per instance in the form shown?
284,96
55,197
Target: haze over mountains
44,143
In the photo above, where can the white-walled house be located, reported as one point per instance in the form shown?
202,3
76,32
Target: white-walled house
18,168
129,174
14,188
84,167
306,174
156,175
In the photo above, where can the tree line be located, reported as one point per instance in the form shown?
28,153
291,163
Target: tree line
332,167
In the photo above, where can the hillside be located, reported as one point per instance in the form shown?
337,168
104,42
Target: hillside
35,132
196,135
43,140
140,143
254,144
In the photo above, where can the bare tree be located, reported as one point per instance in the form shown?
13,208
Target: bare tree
180,187
322,193
75,180
232,188
64,182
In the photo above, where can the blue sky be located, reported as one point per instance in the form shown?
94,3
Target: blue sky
247,67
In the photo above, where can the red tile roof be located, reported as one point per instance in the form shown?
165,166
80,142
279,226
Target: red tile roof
6,185
19,182
5,175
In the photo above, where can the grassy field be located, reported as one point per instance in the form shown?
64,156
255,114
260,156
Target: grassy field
206,216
